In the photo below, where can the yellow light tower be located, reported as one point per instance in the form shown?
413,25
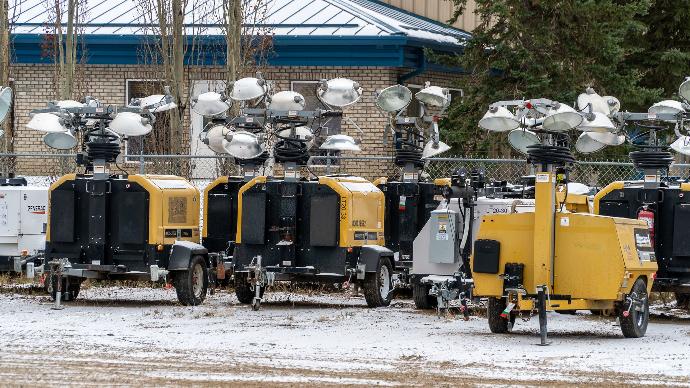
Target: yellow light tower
553,259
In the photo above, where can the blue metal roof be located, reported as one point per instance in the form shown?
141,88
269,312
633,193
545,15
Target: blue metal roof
310,32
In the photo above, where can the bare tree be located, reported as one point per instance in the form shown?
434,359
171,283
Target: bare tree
167,48
5,26
232,16
4,43
61,42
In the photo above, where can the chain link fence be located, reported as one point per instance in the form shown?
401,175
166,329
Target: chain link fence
42,169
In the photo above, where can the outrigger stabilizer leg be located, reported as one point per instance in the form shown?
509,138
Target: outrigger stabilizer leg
56,267
541,304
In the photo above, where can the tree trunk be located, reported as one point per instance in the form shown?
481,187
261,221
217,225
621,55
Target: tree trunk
233,30
69,55
177,55
7,126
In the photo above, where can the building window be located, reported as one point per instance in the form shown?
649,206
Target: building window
322,129
157,141
415,109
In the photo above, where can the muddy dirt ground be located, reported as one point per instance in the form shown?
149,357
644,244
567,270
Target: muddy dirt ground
140,336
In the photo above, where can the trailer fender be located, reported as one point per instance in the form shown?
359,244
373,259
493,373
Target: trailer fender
369,257
181,255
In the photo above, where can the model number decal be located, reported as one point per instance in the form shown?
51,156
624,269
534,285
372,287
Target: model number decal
343,209
36,209
359,223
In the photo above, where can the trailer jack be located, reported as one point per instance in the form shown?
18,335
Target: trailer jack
57,267
541,304
260,278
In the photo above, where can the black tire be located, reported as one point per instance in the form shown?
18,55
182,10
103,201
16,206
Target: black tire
70,288
192,285
682,301
244,291
635,324
378,283
422,299
498,324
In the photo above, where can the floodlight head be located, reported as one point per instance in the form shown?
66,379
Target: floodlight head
339,92
340,143
216,139
46,122
65,104
157,103
287,101
211,104
667,107
684,89
60,140
608,138
432,149
520,139
561,117
394,98
302,133
682,145
599,123
585,144
499,119
595,101
130,124
243,145
5,103
614,104
434,96
247,89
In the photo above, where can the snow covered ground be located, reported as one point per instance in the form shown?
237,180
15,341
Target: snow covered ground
140,336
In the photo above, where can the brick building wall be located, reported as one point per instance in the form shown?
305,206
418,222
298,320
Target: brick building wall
33,86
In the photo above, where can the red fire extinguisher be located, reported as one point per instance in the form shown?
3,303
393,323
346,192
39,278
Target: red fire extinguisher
647,216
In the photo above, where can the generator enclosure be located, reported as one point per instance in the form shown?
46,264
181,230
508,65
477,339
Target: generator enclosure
314,229
23,221
610,253
122,224
220,213
408,208
670,225
425,255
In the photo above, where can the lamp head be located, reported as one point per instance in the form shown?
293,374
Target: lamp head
211,104
394,98
499,119
340,143
339,92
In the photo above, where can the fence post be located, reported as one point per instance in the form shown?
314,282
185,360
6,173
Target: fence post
142,166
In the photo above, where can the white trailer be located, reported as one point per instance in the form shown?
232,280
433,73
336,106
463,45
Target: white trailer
23,223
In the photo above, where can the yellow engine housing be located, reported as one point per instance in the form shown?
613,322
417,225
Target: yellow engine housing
361,208
596,258
173,205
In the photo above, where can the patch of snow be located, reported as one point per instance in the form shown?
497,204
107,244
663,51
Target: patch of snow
322,339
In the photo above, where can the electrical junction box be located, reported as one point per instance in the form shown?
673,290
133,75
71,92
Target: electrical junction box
444,228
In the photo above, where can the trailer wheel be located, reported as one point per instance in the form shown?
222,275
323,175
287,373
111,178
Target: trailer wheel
69,291
377,286
634,319
422,299
682,300
244,290
498,324
191,285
